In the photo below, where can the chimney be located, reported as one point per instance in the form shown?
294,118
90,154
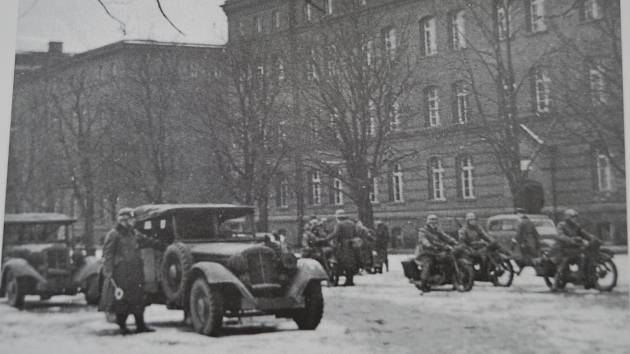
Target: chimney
55,47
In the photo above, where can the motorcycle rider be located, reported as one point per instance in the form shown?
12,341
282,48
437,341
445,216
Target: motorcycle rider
568,246
431,240
473,236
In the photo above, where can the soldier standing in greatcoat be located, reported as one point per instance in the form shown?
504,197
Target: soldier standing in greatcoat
122,270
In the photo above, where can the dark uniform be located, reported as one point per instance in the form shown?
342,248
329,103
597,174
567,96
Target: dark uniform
568,245
528,240
343,234
382,240
122,263
476,238
430,241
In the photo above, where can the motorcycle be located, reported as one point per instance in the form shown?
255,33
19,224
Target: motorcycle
451,266
589,265
492,263
322,252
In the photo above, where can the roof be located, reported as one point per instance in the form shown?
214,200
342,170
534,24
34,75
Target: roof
37,218
151,211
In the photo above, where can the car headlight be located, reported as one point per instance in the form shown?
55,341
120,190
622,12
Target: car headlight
288,261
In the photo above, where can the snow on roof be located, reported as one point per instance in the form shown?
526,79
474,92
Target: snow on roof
37,218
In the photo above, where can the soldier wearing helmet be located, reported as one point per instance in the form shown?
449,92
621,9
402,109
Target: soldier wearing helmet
431,239
568,243
472,234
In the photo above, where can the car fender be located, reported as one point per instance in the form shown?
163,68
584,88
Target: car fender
307,270
216,273
91,266
20,268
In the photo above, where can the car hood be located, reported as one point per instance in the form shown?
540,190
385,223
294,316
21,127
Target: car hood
222,249
34,248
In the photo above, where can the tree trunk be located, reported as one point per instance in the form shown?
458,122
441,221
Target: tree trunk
263,213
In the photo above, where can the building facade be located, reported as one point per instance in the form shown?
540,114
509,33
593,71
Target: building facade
452,170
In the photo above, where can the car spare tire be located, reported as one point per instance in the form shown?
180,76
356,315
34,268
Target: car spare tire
175,272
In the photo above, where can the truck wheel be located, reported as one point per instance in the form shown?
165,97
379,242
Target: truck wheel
309,317
91,291
176,265
206,308
15,291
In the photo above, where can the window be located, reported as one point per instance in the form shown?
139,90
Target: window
389,41
329,7
604,175
462,102
597,83
428,39
275,19
457,30
436,179
373,187
338,191
502,22
372,128
316,188
369,52
536,14
308,12
542,90
241,28
280,69
397,184
394,116
591,10
433,106
258,24
466,177
282,197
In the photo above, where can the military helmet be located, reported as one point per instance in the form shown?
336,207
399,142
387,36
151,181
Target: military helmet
569,213
471,216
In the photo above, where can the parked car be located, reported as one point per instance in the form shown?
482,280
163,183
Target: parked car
503,229
39,258
212,269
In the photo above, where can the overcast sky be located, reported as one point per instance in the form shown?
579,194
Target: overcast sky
83,24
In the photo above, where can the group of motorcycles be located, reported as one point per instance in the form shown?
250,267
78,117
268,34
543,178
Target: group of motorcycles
589,265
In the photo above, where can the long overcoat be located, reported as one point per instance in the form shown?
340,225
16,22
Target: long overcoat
343,234
122,263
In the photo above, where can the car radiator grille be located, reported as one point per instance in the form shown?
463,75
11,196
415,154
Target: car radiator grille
262,268
58,258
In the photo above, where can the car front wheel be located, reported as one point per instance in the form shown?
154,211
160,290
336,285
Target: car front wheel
15,291
206,308
309,317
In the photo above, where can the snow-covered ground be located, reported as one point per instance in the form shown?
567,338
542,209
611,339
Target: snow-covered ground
382,314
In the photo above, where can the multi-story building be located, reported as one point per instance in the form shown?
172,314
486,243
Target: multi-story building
79,122
453,170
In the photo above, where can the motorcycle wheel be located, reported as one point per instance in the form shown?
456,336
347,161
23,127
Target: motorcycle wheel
465,279
503,274
606,273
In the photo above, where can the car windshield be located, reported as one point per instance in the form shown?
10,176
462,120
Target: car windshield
212,224
545,226
33,233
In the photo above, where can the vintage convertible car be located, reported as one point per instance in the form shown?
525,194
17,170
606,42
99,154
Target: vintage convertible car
39,259
211,269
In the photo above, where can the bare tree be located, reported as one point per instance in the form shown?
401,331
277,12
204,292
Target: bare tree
79,111
496,76
358,76
146,105
241,118
589,72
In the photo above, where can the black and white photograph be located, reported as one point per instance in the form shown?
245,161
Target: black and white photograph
314,176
